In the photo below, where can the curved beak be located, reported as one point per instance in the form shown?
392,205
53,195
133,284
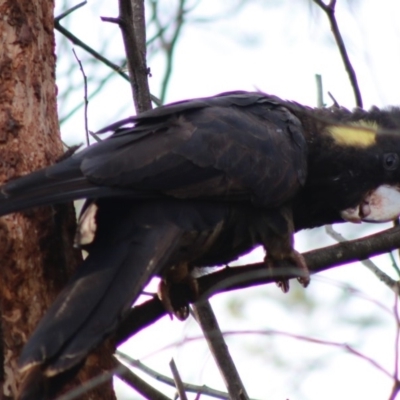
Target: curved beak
380,205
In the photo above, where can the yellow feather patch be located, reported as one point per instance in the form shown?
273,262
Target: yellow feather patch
357,134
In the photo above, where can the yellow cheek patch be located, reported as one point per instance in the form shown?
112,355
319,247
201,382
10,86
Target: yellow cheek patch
359,134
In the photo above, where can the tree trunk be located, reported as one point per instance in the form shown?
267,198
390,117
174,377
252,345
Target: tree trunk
35,246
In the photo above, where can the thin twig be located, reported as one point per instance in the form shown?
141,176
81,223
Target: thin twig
156,36
396,222
394,263
329,9
116,68
95,137
111,20
397,318
88,385
269,332
335,102
235,9
353,291
99,86
219,350
132,23
168,381
85,97
136,383
178,381
91,51
122,372
320,93
386,279
69,11
168,46
396,382
395,390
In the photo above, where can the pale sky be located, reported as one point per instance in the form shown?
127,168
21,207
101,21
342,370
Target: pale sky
277,49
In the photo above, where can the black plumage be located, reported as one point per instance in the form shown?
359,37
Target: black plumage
194,184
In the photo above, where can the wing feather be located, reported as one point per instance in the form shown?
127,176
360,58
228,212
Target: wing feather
236,146
254,150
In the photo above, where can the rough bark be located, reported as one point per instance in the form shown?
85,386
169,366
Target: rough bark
35,246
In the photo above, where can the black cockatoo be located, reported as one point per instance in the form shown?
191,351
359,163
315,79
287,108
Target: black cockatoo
199,183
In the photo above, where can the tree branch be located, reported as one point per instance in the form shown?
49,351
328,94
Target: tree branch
317,260
132,24
209,325
85,98
382,276
138,384
329,10
168,45
169,381
94,53
178,380
75,40
232,278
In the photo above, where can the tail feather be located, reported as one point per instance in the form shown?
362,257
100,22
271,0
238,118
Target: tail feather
100,293
59,183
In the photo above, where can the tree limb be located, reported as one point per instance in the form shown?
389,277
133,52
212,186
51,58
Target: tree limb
203,389
329,10
209,325
132,24
138,384
232,278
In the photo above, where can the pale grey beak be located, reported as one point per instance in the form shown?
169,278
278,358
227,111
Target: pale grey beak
380,205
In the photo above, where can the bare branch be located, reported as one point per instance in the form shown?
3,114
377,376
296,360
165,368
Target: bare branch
168,381
178,381
309,339
317,261
320,93
396,222
329,9
99,86
85,97
138,384
69,11
396,383
123,373
95,137
256,274
395,390
132,24
386,279
215,340
118,69
335,102
168,45
88,385
91,51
